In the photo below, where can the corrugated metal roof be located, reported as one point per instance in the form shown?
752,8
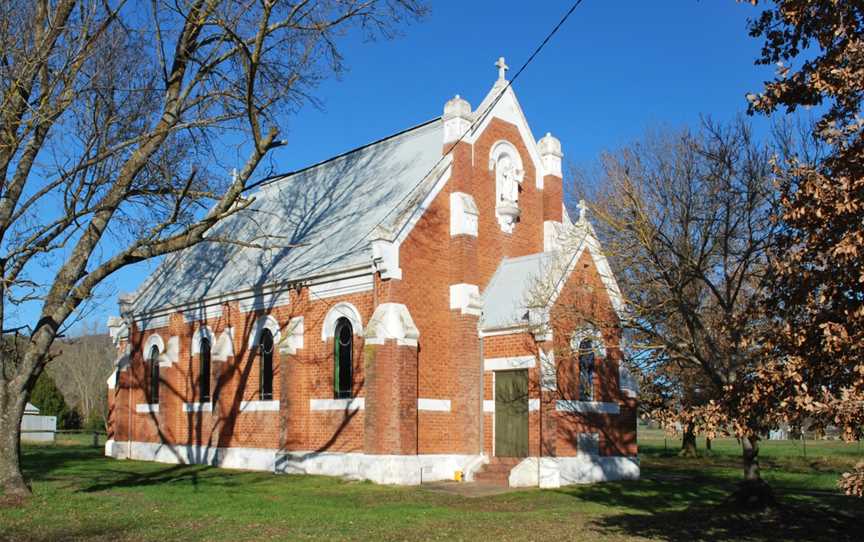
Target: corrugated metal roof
508,295
325,212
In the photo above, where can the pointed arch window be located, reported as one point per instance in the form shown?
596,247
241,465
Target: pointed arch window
265,346
343,356
154,374
204,393
586,370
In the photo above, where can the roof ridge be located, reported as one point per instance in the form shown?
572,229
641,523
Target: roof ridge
282,176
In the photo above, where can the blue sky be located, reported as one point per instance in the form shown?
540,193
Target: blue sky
612,71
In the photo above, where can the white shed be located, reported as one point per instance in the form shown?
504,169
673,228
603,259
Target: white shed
43,425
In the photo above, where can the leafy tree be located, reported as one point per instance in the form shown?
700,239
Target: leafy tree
817,290
685,218
47,398
115,116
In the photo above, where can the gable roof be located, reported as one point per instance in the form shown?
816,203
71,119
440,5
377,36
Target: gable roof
535,281
317,220
506,298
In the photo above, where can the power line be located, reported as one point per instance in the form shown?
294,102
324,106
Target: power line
478,121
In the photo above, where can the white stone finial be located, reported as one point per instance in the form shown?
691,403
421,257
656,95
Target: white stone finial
502,69
583,208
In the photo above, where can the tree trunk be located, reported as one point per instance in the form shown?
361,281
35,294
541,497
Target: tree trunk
688,443
750,448
754,492
12,482
708,444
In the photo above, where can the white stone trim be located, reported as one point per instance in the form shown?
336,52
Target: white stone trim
153,340
434,405
587,407
353,403
552,232
466,298
464,216
548,371
265,301
202,332
488,405
337,311
550,152
223,348
515,330
385,247
172,352
381,469
509,110
146,323
514,362
265,321
628,385
259,406
350,285
201,313
392,321
533,405
198,407
147,408
293,340
592,333
552,472
261,459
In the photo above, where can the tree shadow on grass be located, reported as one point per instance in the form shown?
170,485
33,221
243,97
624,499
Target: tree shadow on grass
86,470
46,462
679,507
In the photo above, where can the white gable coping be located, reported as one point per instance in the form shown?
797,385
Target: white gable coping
509,110
386,244
503,364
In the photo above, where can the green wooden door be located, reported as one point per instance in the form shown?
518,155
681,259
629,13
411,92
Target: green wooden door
511,413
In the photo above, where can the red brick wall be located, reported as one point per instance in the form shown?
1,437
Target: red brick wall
449,363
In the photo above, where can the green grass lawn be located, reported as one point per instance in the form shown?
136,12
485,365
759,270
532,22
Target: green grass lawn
78,494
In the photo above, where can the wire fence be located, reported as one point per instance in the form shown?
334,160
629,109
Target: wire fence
63,437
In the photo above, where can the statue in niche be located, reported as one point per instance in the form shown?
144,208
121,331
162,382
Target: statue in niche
508,183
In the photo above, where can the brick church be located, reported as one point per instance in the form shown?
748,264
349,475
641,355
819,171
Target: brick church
417,309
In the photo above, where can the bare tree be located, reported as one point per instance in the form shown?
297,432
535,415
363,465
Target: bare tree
686,220
80,370
113,119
